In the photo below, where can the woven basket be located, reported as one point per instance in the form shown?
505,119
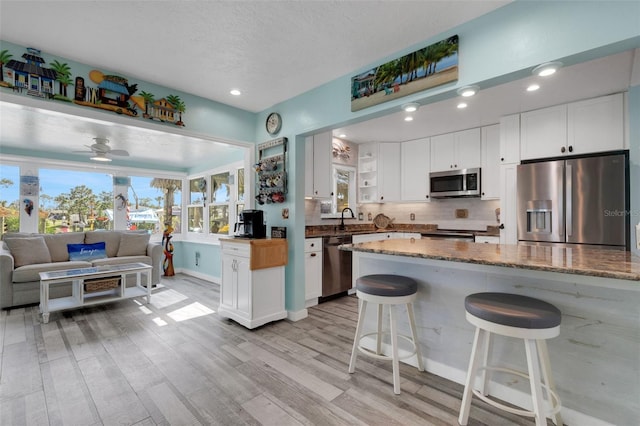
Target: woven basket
101,284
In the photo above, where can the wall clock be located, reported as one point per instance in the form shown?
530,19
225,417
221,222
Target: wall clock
274,123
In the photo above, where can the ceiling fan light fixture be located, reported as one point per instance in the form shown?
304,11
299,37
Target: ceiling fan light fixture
547,69
468,91
100,157
411,106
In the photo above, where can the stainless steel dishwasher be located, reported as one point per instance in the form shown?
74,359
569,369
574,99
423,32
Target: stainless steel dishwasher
336,265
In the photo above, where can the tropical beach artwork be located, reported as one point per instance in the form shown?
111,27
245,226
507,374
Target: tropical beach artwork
423,69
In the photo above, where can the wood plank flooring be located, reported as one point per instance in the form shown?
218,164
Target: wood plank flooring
175,362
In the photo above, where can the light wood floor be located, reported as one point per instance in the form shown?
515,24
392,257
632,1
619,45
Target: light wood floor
175,362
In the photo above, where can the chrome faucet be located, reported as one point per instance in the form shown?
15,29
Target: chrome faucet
353,216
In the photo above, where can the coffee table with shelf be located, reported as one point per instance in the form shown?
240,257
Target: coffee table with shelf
79,297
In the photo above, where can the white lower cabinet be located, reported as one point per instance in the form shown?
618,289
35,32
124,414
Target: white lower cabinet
490,239
312,270
252,290
380,236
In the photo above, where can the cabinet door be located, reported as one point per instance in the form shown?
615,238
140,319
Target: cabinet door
490,164
508,200
308,166
596,125
414,170
510,139
243,285
322,165
543,133
467,149
229,279
313,274
389,172
442,152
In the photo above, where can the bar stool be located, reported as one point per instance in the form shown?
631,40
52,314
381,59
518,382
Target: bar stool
388,290
517,316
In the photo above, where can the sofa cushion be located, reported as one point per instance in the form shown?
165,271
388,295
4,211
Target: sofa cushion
27,251
133,244
30,273
110,238
57,244
86,252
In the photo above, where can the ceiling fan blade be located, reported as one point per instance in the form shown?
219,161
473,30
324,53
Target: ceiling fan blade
121,152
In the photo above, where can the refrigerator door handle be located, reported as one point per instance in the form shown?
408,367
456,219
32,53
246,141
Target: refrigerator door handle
569,198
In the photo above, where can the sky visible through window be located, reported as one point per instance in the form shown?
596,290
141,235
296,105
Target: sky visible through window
54,182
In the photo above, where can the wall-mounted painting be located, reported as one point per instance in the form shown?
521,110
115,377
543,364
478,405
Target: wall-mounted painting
423,69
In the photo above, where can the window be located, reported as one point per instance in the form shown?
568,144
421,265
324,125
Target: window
344,190
154,201
9,198
66,207
219,206
195,209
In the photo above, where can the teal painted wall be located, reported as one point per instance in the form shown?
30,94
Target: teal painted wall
634,161
210,258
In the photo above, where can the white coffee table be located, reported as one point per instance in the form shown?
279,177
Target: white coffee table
79,297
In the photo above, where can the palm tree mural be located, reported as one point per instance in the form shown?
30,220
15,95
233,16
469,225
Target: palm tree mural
149,99
4,58
179,106
63,76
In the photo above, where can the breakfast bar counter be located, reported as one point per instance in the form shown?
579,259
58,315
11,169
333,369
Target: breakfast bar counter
596,358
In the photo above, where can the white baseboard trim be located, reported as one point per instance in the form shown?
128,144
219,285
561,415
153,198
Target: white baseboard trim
297,315
206,277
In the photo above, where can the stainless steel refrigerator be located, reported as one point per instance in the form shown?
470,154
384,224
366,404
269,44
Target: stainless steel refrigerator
575,201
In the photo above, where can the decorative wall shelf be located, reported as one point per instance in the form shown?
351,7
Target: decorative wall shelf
271,171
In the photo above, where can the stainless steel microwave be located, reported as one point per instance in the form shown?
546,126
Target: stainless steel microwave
455,183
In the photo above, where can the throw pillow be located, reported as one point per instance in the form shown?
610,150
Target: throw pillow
28,251
87,252
133,244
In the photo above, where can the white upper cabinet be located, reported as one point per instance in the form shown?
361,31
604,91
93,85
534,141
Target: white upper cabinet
389,172
510,139
318,166
458,150
596,125
414,170
543,133
583,127
490,162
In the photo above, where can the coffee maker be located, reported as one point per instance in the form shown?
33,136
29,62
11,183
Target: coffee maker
250,224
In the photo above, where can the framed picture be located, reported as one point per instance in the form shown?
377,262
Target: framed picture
423,69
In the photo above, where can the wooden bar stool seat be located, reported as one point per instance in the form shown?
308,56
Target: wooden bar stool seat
390,290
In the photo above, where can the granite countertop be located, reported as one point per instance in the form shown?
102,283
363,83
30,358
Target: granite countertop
331,230
573,260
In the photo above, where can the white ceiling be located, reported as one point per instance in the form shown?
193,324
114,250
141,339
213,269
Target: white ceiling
270,50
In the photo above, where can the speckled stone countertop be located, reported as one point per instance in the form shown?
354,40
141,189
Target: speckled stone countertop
330,230
582,261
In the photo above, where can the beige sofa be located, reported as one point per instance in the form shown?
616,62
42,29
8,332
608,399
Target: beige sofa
23,256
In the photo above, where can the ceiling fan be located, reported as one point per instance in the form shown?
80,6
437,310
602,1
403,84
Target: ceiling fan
101,150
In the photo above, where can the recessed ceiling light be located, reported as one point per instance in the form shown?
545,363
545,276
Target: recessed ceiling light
411,107
235,92
408,118
547,69
342,135
533,87
468,91
462,105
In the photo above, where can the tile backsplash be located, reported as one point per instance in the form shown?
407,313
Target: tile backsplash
480,214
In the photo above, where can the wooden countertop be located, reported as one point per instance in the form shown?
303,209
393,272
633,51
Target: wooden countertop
571,260
263,252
